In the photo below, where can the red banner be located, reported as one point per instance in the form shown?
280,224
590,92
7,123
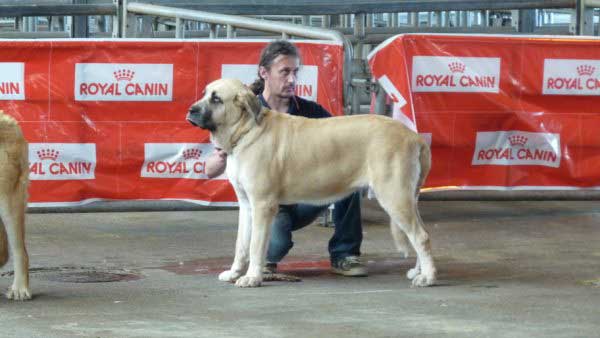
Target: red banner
105,119
500,112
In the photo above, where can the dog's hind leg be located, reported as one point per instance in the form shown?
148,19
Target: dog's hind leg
404,216
400,239
396,194
403,246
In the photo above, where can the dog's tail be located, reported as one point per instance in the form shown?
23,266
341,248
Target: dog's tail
3,246
425,164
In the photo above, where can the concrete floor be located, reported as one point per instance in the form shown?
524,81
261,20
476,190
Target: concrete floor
506,269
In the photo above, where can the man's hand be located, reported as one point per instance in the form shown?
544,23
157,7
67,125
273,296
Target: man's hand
216,163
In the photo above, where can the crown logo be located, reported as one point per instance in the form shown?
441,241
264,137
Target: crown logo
457,67
192,154
48,154
124,75
585,70
517,140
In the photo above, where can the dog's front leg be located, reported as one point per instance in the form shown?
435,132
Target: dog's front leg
242,244
13,215
262,217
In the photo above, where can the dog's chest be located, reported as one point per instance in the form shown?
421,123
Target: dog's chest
233,170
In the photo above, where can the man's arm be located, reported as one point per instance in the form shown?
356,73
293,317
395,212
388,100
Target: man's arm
216,163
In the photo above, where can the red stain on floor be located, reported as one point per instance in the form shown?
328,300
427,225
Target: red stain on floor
297,266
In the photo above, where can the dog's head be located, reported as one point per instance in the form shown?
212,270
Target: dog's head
225,103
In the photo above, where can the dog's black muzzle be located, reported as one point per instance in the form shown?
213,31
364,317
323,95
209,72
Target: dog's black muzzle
200,117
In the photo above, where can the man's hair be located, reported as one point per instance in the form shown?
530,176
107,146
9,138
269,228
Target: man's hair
268,55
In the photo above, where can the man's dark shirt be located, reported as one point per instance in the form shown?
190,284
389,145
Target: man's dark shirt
301,107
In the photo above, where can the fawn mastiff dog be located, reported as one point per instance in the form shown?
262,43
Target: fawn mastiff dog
276,158
14,177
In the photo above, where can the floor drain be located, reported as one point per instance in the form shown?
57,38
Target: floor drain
79,275
90,277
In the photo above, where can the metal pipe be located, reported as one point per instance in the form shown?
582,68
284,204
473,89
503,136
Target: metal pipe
34,35
464,19
306,7
306,20
348,18
438,18
254,24
230,32
331,7
374,35
241,22
326,21
58,10
380,99
213,31
413,19
446,19
359,33
584,18
178,28
394,22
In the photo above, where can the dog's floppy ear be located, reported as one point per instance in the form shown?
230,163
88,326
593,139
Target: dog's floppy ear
250,103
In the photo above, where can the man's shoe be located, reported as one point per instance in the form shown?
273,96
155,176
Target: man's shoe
270,268
350,266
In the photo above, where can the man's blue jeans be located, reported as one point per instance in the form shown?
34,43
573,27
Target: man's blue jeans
347,236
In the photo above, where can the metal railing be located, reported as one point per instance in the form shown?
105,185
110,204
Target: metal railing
74,15
233,22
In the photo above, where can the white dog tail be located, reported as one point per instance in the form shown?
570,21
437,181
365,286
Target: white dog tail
8,122
425,161
3,246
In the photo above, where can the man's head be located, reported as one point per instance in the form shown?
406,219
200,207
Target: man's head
278,69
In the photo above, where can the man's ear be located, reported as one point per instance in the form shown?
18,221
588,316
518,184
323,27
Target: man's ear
250,103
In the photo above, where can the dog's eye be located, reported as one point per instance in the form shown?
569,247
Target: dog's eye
214,98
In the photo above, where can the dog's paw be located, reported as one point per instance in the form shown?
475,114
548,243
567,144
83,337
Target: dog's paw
229,276
412,273
422,280
16,293
248,282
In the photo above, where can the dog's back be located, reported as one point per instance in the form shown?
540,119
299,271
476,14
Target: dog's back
340,154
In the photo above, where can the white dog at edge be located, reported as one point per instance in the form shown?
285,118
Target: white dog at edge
14,178
276,158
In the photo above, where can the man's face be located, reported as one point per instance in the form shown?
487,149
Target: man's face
281,78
